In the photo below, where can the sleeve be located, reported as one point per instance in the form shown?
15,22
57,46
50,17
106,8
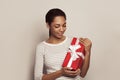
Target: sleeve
39,61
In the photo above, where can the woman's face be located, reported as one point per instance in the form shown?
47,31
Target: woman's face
58,27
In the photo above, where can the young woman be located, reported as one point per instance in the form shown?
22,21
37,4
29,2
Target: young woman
50,53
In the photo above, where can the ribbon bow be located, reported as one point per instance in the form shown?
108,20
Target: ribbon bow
74,54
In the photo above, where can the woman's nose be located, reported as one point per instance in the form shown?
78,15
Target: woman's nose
61,29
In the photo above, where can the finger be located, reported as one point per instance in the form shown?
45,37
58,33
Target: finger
71,72
68,68
85,39
81,39
87,42
74,72
77,71
82,42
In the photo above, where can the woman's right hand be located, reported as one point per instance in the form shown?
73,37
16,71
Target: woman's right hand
68,72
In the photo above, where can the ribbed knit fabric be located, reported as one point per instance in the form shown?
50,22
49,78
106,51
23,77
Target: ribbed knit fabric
49,58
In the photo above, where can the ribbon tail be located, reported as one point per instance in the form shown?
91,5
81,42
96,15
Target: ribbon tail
70,62
81,54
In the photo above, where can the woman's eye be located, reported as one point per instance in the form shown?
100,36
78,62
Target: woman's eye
57,26
64,26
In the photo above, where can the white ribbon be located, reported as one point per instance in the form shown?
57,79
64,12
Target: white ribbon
74,54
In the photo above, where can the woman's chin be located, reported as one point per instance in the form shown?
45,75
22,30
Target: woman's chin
60,36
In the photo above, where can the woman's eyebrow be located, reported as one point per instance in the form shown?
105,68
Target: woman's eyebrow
59,24
64,23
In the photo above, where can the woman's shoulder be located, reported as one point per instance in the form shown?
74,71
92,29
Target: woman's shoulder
40,46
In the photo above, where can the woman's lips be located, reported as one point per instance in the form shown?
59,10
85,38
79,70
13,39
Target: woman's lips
60,34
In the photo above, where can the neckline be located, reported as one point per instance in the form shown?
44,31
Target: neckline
50,44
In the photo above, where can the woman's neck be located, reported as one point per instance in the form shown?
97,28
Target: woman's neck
55,40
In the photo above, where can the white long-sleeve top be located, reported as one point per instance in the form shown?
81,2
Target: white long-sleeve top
49,58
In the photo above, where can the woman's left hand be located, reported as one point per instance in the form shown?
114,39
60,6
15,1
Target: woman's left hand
87,43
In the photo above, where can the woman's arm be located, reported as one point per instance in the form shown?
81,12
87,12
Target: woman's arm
87,43
52,76
39,61
65,71
85,66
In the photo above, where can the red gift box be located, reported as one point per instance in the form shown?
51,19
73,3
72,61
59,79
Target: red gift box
75,55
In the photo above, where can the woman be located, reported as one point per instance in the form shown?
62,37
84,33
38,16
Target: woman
50,53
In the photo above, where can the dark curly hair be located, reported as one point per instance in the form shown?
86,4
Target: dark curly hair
52,13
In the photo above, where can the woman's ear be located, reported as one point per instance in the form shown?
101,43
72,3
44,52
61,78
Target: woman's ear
48,26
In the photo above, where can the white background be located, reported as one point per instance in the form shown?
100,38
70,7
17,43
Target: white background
22,27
